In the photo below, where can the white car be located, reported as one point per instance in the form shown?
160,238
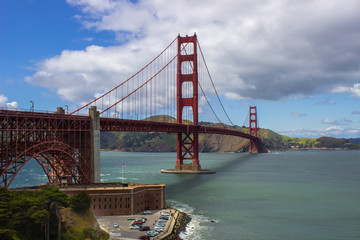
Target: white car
134,227
164,213
116,225
159,229
153,233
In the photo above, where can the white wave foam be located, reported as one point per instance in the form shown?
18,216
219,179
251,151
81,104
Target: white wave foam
194,228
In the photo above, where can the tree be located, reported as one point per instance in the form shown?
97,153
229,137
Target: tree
7,234
30,214
80,202
5,211
42,217
54,195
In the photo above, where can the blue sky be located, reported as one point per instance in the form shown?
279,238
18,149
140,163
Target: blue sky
298,62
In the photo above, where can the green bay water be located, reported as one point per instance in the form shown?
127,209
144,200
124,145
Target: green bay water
303,195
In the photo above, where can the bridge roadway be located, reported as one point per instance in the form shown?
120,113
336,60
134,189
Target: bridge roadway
28,121
110,124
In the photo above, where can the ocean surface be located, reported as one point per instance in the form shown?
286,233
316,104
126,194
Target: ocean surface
305,195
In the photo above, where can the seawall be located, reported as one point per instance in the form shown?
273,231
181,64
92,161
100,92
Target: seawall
181,221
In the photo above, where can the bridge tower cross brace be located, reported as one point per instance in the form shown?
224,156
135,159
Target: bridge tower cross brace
253,128
187,142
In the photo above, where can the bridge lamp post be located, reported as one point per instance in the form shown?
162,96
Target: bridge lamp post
67,109
134,116
32,106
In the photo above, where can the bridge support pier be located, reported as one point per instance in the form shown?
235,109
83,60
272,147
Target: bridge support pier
188,149
187,74
95,145
254,146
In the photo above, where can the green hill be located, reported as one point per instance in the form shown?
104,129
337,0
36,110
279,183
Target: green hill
33,213
166,142
355,140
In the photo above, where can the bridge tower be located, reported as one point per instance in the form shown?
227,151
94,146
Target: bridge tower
187,74
253,128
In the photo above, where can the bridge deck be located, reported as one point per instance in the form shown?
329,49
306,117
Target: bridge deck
110,124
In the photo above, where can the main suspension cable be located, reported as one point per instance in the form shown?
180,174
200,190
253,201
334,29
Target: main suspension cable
207,69
149,80
207,100
125,80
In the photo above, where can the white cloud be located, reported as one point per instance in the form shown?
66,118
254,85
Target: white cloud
333,131
5,104
355,90
78,76
327,102
327,121
344,121
295,114
255,49
93,6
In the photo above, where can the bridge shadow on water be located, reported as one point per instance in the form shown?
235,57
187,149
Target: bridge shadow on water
186,182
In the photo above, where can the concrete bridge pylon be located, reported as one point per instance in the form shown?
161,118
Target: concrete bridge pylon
95,144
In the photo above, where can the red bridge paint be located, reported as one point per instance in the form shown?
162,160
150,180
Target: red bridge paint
63,144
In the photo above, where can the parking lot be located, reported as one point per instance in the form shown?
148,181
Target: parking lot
123,229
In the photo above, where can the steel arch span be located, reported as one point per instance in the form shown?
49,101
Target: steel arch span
59,143
57,159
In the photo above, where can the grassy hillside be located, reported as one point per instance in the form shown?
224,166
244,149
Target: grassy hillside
81,225
355,140
164,142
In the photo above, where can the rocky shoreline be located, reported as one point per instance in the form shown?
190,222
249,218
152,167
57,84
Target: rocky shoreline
180,225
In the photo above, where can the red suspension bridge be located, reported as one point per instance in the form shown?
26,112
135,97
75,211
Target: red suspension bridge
173,94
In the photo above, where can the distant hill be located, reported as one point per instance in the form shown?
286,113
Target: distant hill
355,140
330,142
166,142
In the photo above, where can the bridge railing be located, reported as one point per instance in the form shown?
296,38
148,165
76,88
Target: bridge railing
26,110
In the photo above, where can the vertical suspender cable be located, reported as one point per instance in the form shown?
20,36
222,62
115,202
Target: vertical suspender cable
213,84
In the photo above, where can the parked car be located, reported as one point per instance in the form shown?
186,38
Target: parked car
143,219
145,228
134,227
165,213
147,212
130,218
153,233
161,224
138,222
159,229
144,237
116,225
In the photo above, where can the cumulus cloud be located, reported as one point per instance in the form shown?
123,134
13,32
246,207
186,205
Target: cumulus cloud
5,104
333,131
255,49
354,90
295,114
79,76
344,121
327,102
